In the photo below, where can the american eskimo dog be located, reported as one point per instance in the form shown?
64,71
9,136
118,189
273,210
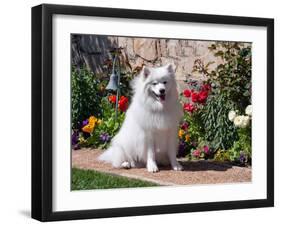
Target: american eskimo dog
148,135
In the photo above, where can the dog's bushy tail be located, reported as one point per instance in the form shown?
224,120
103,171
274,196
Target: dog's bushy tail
113,155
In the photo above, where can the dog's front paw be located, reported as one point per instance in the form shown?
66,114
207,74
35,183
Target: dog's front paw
177,167
126,165
152,167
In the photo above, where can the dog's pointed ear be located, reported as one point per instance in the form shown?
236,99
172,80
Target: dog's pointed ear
171,68
145,71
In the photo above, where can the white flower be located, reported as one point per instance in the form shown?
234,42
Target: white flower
238,120
231,115
248,110
245,121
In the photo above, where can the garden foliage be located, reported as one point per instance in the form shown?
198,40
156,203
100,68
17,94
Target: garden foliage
217,119
94,119
85,96
229,90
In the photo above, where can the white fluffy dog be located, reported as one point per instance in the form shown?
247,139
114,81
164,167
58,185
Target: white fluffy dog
148,135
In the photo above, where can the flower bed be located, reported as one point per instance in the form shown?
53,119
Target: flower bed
217,108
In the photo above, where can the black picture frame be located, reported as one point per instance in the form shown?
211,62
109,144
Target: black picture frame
42,111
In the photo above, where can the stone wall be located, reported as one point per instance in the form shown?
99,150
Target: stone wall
92,50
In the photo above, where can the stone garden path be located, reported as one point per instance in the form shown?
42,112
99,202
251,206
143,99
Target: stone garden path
195,172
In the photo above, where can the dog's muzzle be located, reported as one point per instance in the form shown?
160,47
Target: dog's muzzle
161,97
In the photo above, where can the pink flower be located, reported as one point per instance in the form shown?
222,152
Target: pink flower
196,153
206,149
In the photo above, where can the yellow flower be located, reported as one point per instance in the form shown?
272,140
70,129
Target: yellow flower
92,121
187,138
99,121
91,124
181,133
88,128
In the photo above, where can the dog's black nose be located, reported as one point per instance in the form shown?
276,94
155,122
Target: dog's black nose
162,91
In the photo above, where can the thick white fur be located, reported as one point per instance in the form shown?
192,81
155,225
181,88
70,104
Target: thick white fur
148,135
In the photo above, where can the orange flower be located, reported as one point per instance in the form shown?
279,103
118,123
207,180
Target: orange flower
92,120
181,133
88,128
112,99
91,125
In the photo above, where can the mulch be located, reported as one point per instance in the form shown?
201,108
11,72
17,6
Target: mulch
195,172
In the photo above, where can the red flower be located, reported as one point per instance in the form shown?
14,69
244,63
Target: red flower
202,96
189,107
194,97
187,93
123,103
184,126
112,99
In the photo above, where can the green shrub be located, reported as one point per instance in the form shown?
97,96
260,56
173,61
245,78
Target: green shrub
233,76
231,89
241,151
219,131
85,96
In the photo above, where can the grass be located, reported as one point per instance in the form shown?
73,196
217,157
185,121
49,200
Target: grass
91,179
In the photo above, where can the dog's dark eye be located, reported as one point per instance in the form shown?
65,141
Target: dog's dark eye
154,83
165,82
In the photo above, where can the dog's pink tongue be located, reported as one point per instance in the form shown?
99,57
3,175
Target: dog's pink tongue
162,97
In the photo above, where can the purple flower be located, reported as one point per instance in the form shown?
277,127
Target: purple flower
206,150
242,158
181,149
74,138
85,122
104,137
